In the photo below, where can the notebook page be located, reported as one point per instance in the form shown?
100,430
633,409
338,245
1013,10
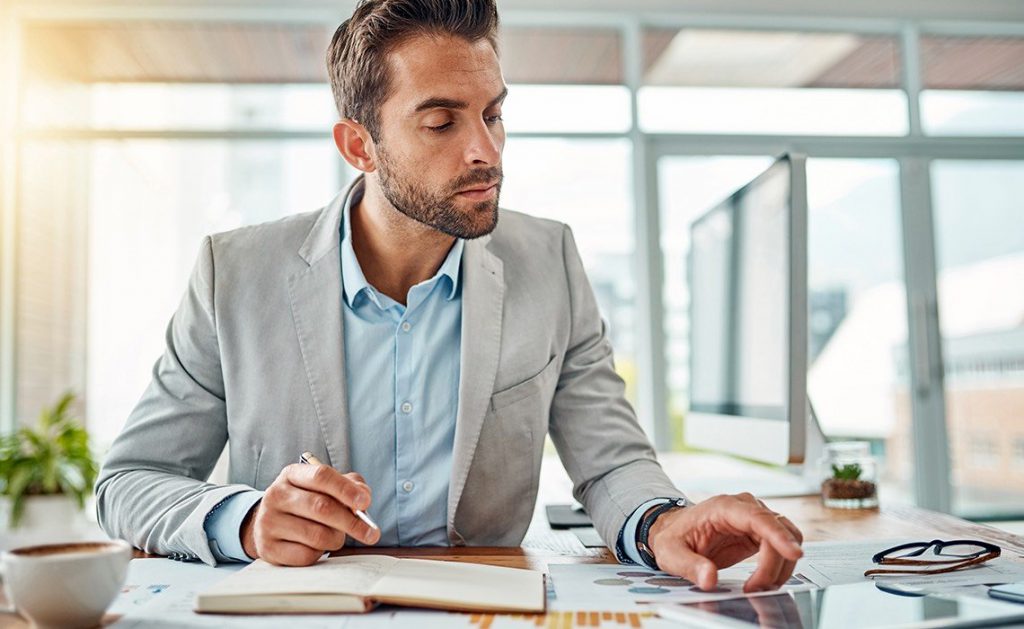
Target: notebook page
465,584
354,574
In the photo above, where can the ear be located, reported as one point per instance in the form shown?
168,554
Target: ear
355,144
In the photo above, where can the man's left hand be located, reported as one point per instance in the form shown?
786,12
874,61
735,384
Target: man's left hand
696,541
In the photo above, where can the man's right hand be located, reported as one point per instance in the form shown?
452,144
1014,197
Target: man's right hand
307,511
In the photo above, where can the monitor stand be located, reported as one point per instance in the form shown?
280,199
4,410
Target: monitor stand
814,449
704,474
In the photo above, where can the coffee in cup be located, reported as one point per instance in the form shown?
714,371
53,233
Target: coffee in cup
65,585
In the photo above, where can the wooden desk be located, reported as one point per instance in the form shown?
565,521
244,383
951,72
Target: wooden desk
544,547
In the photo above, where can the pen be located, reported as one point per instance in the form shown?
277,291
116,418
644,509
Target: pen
310,458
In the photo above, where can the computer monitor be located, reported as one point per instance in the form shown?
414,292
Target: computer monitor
748,319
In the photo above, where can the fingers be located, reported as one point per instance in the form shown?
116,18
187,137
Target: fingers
683,562
773,568
769,564
767,525
302,506
348,489
724,530
784,521
323,510
784,574
285,553
789,565
293,528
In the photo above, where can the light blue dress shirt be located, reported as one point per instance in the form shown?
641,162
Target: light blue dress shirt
402,366
402,372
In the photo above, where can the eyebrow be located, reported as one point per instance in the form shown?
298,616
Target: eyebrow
449,103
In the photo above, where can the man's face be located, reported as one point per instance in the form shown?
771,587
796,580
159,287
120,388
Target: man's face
441,134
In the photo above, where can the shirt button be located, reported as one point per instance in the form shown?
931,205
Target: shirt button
406,326
407,408
407,486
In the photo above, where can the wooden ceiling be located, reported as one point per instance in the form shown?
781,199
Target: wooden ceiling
992,63
228,52
194,52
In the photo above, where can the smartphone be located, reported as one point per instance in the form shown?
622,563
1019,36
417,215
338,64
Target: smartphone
1013,592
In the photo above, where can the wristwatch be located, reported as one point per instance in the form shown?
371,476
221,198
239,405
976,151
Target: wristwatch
642,545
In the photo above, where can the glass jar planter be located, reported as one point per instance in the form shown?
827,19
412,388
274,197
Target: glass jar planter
850,476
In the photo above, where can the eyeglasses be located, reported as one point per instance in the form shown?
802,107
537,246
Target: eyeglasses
945,557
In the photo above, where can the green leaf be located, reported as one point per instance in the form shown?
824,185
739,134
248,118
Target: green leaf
17,509
21,478
51,458
850,471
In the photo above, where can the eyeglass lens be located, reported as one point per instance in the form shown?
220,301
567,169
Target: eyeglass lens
935,552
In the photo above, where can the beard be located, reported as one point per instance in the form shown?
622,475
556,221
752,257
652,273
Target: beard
440,210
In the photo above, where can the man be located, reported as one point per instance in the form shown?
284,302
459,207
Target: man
412,341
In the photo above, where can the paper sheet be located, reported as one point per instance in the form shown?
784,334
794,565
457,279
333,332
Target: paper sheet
354,574
159,594
618,587
836,563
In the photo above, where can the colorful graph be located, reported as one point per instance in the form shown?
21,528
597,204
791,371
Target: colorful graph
567,620
608,587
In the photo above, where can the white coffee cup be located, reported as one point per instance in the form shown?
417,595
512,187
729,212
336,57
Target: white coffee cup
66,585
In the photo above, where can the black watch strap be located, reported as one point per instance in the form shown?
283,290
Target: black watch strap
642,545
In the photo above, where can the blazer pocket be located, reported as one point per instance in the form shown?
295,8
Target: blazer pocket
527,388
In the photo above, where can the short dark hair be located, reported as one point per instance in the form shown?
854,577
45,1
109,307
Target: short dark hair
357,57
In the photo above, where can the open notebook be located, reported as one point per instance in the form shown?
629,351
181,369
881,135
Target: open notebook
356,583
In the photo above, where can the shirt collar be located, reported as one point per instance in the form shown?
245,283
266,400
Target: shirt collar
353,280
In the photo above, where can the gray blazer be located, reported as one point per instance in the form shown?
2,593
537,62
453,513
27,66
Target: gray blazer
255,359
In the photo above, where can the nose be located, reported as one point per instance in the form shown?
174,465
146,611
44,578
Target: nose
485,145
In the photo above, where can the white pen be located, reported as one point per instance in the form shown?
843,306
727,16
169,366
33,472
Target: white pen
310,458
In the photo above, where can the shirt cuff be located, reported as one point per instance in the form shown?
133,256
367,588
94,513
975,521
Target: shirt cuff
223,526
627,535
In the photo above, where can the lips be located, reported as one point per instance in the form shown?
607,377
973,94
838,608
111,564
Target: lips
480,193
480,188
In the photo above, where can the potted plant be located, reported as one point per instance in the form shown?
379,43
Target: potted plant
846,490
47,471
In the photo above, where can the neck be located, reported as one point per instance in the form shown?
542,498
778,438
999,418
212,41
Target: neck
394,251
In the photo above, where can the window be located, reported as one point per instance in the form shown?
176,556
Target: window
564,80
972,85
181,106
586,184
982,453
1018,454
109,233
754,82
857,379
980,251
566,109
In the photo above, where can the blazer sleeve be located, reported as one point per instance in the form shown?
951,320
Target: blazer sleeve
611,462
152,488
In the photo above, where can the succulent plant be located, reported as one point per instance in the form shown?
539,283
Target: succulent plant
851,471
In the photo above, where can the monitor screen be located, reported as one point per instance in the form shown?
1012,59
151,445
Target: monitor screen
747,273
739,269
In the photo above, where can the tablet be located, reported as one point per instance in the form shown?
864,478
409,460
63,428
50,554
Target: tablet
848,606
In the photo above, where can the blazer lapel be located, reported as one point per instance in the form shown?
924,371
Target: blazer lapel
316,312
483,293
